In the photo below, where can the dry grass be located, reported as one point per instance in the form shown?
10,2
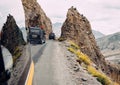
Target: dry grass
75,49
74,45
72,50
100,76
16,54
84,58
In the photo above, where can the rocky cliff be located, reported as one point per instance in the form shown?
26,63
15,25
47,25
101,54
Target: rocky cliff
78,29
35,16
11,36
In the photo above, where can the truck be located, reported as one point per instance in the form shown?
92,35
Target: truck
36,35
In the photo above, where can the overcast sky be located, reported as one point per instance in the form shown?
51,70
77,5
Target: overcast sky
104,15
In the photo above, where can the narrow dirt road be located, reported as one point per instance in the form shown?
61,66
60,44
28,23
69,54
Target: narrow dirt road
50,68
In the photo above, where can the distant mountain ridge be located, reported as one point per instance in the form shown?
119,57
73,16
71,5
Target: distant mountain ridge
97,34
109,42
57,28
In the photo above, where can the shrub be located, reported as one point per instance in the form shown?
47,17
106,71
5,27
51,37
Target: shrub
61,39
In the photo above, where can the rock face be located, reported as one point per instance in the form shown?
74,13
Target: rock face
77,28
11,36
35,16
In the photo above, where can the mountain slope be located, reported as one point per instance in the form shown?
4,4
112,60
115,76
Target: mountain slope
110,42
97,34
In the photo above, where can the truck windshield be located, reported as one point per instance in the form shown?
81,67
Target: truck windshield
34,31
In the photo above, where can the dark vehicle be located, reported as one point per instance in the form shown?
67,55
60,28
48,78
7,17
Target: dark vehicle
36,35
52,36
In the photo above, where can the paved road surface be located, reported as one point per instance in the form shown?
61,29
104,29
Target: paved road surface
43,68
49,66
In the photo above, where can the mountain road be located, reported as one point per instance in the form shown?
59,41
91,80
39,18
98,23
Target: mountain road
49,66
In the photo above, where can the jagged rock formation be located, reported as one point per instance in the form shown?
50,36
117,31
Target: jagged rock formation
77,28
11,36
35,16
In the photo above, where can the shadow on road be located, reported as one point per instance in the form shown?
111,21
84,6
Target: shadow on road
38,54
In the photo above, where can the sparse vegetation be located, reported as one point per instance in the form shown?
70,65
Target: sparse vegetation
75,49
101,77
16,54
83,57
15,57
72,50
74,45
61,39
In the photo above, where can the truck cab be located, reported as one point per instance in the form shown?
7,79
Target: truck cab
36,35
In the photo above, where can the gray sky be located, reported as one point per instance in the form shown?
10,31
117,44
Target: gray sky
104,15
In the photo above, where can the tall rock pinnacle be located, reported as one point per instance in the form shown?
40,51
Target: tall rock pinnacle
78,29
35,16
11,36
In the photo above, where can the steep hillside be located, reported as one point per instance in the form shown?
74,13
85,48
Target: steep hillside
35,16
78,29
